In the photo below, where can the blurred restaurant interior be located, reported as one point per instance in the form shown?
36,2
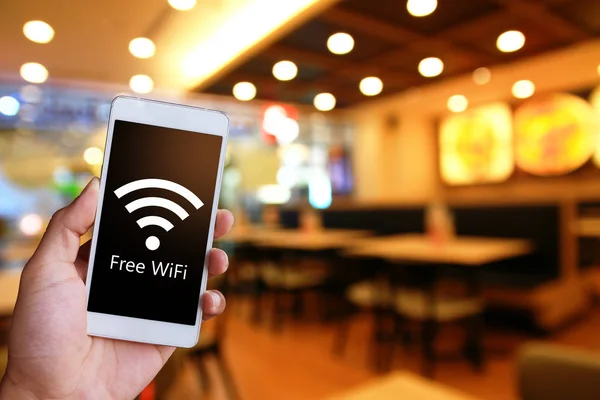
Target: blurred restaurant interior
416,184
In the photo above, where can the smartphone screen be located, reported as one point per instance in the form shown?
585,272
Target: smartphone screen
154,223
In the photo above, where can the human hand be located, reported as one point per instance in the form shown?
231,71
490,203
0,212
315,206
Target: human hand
50,354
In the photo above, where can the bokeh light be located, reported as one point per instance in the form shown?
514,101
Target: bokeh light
9,106
371,86
285,70
324,102
523,89
482,76
38,31
273,194
430,67
244,91
31,224
340,43
142,47
510,41
457,103
93,156
182,5
141,84
421,8
34,72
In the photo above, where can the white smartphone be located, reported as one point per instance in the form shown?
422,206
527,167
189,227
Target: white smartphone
159,191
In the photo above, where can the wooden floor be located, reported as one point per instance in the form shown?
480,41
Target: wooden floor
298,363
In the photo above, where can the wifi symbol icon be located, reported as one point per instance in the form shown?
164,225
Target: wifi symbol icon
152,242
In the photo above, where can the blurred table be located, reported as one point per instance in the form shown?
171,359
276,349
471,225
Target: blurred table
402,385
17,252
461,250
318,240
9,288
249,233
283,261
587,227
470,253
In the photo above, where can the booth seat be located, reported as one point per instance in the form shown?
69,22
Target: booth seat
539,223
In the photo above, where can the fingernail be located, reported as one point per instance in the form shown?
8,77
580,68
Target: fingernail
91,184
216,299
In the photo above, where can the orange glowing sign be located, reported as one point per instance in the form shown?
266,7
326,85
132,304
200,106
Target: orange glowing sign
554,135
476,146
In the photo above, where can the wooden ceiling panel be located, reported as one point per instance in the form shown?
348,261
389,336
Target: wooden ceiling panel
447,14
582,13
313,37
389,44
537,39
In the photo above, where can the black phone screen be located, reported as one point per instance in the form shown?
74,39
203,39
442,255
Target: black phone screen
154,223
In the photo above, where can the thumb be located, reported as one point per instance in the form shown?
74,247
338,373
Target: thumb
62,238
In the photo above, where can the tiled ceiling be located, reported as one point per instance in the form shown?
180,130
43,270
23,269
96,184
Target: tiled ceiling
389,43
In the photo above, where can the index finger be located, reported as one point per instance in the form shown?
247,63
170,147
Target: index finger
223,223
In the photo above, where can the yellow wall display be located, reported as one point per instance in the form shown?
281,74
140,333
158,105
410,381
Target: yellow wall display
476,146
554,134
595,101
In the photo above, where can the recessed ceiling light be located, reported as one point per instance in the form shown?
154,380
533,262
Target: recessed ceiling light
510,41
285,70
457,103
182,5
244,91
340,43
324,102
430,67
34,72
371,86
523,89
421,8
141,84
482,75
38,31
142,47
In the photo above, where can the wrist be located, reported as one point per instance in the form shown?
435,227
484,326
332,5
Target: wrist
10,390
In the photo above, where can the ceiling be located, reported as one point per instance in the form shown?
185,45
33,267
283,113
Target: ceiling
389,43
92,37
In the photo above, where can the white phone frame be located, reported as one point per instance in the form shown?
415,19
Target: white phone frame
167,115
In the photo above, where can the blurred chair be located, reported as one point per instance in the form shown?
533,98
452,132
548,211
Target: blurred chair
550,372
166,377
421,296
368,293
244,279
210,344
372,297
290,279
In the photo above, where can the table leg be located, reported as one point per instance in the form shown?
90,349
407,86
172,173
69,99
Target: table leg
474,347
430,325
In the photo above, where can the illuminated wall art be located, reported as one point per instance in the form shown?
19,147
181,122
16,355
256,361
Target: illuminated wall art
554,135
476,146
595,100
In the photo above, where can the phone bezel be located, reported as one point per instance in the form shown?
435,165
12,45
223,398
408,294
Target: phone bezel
167,115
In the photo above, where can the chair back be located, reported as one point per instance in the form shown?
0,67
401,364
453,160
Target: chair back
549,372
